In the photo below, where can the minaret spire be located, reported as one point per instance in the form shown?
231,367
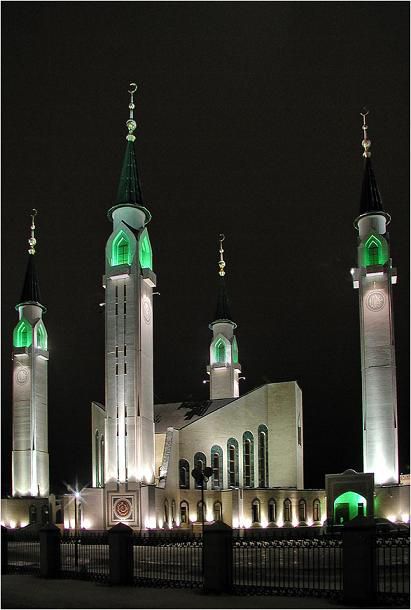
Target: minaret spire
32,240
31,288
224,368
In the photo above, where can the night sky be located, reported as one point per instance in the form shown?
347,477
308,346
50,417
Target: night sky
248,125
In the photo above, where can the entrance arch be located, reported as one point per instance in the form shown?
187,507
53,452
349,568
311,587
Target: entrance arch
349,505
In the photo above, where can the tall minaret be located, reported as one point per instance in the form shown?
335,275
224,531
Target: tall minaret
374,278
129,281
224,368
30,458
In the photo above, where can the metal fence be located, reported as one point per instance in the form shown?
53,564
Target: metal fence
85,555
309,565
23,551
168,561
393,565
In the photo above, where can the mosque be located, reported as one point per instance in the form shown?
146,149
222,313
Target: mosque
239,459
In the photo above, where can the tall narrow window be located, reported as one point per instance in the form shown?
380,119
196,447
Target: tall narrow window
272,510
120,249
125,350
302,511
287,510
255,511
184,469
232,462
316,510
22,334
218,511
217,466
173,511
145,252
248,459
102,460
184,512
124,308
125,368
41,336
165,512
200,463
116,351
97,458
262,456
116,369
220,351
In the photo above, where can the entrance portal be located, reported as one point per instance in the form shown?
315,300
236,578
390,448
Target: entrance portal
349,505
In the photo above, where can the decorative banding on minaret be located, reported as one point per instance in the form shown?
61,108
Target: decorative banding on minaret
30,458
374,278
224,369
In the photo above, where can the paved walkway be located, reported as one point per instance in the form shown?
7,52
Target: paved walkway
26,591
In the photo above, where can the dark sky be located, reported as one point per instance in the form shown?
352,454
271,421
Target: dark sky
248,124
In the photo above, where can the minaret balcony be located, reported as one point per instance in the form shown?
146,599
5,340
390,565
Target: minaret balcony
149,277
119,272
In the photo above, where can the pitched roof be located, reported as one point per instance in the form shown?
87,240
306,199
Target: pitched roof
370,196
180,414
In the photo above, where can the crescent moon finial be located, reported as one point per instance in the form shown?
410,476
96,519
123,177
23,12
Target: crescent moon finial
131,124
221,262
366,143
133,88
32,240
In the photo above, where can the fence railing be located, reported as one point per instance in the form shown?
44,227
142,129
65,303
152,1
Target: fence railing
393,565
23,551
85,555
288,565
161,560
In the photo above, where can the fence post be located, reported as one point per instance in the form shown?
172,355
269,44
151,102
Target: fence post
50,551
218,557
4,550
359,561
121,554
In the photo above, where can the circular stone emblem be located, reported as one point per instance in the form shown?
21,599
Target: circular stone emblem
375,300
147,311
122,508
22,375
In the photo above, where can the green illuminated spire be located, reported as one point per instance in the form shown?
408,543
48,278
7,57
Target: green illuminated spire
370,196
31,289
129,188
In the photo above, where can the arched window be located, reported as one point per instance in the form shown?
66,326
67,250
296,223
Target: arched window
22,334
232,462
287,508
255,510
184,470
234,350
120,250
41,336
302,510
165,512
272,510
200,463
79,515
262,456
184,512
102,457
217,466
32,514
375,251
248,459
220,351
218,511
145,252
97,457
316,510
201,511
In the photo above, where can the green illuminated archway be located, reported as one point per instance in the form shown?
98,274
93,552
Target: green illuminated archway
22,334
349,505
145,252
41,336
120,250
375,251
234,351
220,351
